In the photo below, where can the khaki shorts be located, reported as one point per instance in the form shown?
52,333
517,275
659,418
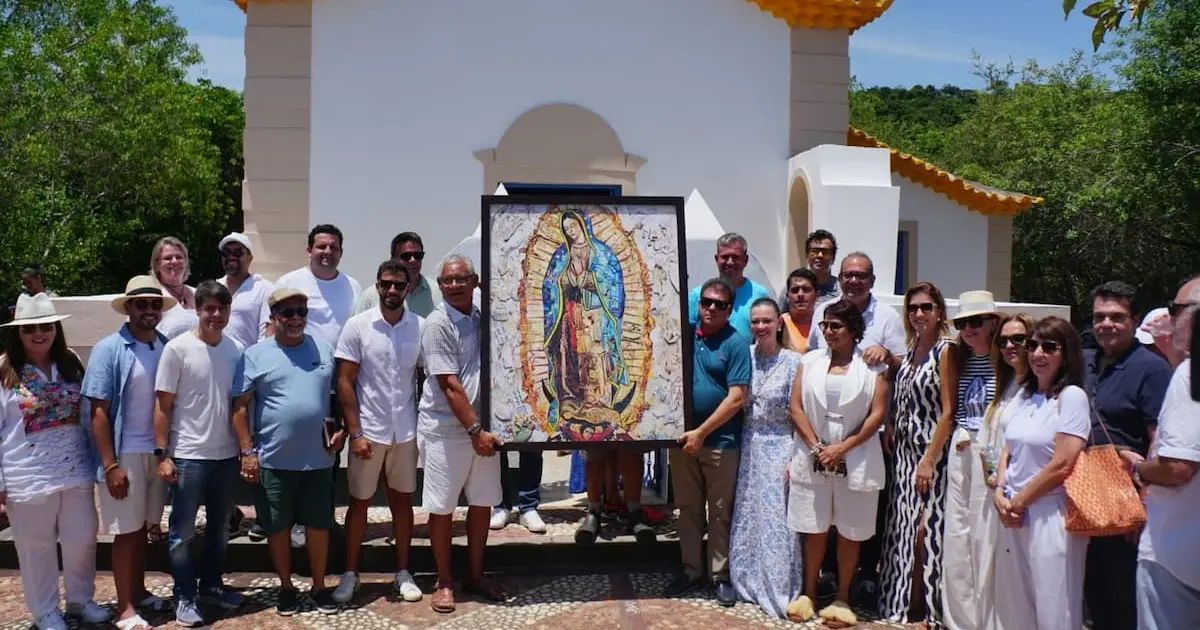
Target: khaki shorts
143,505
397,462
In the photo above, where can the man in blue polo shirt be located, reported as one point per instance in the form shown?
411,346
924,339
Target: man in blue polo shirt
732,257
1127,383
704,474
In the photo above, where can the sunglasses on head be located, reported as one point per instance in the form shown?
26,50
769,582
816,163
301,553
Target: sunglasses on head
1175,309
147,304
926,307
387,285
1048,347
974,321
233,253
1017,340
720,305
411,256
831,326
29,329
290,312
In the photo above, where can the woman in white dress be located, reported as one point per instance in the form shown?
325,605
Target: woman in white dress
989,442
170,266
1039,565
838,404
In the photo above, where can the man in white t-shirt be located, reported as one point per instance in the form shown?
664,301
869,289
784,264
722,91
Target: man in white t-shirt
197,450
250,291
1168,574
378,356
119,382
331,294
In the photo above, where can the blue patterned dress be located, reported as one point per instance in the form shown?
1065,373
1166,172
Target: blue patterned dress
765,565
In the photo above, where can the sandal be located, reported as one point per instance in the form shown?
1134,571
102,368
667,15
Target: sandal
443,599
486,588
155,535
153,602
838,615
135,622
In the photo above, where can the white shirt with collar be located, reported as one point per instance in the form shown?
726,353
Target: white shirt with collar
883,328
388,357
246,322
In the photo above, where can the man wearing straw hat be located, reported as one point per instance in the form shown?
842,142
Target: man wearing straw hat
120,384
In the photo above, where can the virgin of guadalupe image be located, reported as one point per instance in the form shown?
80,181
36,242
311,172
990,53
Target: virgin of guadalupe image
583,301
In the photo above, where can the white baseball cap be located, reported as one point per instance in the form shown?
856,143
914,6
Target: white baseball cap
236,237
1145,332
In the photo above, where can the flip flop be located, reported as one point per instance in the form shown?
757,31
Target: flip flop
443,599
135,622
155,534
485,588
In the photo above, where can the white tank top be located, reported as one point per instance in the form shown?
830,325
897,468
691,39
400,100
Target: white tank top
833,395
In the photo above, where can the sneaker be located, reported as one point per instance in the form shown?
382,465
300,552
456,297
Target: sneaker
532,521
88,612
187,615
347,587
221,597
588,529
256,532
287,605
50,621
500,518
324,601
153,603
407,587
298,537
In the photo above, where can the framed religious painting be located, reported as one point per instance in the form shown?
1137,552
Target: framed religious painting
584,321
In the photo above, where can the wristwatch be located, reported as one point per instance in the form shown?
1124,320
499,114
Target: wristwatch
474,429
160,453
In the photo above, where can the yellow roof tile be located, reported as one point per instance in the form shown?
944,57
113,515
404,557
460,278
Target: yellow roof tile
978,197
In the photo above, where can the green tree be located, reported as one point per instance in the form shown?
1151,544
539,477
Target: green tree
104,145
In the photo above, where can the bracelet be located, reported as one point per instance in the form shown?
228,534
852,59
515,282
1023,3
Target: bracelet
113,466
474,429
355,436
249,451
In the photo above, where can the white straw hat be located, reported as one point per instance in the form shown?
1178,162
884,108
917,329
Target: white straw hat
142,286
35,309
971,303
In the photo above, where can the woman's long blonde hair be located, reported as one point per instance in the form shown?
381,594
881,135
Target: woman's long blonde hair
1005,374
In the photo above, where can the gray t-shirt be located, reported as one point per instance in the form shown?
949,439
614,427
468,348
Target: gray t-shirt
450,345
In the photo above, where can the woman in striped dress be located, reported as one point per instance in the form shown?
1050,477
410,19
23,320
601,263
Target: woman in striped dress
924,407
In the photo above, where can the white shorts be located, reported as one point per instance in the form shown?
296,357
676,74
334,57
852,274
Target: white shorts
451,467
812,508
143,505
397,462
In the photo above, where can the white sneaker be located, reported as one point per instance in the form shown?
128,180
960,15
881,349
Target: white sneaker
532,521
50,621
298,538
500,518
407,586
88,612
347,587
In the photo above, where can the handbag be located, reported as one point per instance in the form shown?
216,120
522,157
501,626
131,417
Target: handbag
1101,497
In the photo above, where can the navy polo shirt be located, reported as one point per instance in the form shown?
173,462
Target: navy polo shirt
719,361
1128,393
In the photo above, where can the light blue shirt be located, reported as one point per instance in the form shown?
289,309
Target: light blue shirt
291,388
883,328
743,297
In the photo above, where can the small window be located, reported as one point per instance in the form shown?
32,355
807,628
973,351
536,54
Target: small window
902,282
592,190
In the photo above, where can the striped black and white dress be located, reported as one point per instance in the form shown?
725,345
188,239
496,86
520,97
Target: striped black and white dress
918,404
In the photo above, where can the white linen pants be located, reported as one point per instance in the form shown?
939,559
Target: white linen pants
985,532
1039,570
66,517
965,494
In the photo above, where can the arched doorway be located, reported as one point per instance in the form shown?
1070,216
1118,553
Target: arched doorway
798,222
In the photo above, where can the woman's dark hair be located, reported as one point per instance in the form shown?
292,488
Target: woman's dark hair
1071,371
849,315
766,301
70,368
935,294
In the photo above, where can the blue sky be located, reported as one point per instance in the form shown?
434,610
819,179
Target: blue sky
915,42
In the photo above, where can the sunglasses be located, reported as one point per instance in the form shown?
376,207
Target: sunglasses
822,251
720,305
147,304
29,329
233,253
450,281
1176,308
926,307
1048,347
288,313
411,256
1017,340
828,326
400,286
974,321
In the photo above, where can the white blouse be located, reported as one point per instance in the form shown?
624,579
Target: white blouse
43,448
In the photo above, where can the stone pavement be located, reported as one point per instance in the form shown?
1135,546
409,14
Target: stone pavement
617,599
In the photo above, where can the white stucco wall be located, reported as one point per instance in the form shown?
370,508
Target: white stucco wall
952,241
403,93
